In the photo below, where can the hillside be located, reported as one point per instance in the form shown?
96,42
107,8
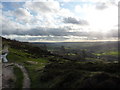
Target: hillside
25,55
47,70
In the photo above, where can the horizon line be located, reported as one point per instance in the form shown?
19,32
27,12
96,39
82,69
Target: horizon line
74,41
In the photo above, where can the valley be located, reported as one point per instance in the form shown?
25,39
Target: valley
63,65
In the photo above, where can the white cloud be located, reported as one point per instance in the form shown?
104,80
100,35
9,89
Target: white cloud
103,19
45,11
9,25
66,13
22,14
47,18
92,1
43,7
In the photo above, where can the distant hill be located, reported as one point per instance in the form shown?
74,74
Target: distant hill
94,47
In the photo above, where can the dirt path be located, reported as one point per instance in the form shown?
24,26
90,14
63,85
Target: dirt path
8,74
26,81
0,75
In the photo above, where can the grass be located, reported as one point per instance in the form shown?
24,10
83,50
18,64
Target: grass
56,73
16,55
19,77
34,69
71,54
113,53
20,56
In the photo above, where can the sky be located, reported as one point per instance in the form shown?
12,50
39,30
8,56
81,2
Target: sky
59,20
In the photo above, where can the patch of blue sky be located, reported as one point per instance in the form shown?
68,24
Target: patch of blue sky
71,6
9,6
33,13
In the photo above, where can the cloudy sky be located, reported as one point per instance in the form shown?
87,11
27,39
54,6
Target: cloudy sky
64,21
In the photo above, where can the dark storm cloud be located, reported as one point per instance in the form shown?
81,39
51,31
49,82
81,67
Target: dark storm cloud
101,6
35,38
38,31
59,32
72,20
65,31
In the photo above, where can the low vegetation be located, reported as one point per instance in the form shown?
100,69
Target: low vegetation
19,77
80,75
64,66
